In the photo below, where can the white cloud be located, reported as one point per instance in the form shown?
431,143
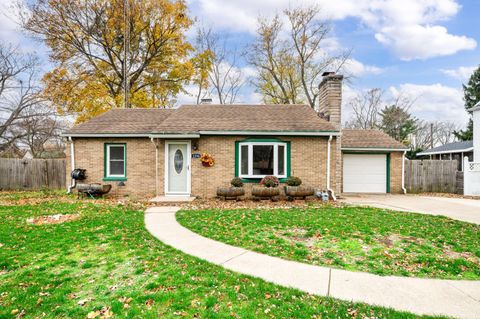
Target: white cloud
434,102
9,24
357,68
462,73
411,28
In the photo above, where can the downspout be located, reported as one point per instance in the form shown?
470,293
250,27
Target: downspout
330,191
156,165
403,173
72,160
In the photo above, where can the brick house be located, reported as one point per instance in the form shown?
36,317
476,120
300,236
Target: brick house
155,152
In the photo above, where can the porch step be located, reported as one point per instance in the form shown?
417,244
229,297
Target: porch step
172,199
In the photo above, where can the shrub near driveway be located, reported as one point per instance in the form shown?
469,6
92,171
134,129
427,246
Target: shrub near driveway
353,238
106,264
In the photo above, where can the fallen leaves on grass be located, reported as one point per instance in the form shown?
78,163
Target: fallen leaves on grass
104,313
52,219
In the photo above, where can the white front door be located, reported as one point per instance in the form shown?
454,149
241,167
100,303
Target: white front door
177,164
364,173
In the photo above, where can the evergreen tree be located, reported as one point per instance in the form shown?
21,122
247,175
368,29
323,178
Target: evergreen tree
471,96
397,122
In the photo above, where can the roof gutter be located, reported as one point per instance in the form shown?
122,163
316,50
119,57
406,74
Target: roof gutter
446,152
329,155
278,133
372,149
197,135
179,135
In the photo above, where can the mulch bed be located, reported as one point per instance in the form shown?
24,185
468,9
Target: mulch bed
201,204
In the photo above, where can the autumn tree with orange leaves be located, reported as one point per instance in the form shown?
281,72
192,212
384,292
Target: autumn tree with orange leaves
87,42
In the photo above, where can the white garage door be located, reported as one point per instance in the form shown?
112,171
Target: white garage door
364,173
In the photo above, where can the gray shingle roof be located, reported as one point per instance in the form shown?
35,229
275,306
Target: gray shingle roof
455,147
123,121
196,118
372,139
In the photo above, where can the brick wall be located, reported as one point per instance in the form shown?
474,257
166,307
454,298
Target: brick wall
396,172
308,161
330,99
89,154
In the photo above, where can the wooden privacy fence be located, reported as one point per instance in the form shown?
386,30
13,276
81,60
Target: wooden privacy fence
431,176
32,173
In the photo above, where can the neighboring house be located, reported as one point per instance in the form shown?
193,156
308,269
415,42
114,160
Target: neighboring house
451,151
150,152
472,167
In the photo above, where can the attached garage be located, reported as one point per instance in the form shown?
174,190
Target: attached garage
366,173
372,162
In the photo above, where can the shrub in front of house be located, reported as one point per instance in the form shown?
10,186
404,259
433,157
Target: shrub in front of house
236,182
294,190
235,191
270,181
293,181
269,188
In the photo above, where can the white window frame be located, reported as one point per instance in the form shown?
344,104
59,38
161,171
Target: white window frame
250,159
108,175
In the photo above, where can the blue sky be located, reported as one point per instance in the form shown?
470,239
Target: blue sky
424,49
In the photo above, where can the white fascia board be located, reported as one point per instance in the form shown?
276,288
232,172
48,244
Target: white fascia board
187,135
103,135
131,135
271,133
371,149
470,149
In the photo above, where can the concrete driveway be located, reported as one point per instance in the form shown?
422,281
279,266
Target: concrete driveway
456,208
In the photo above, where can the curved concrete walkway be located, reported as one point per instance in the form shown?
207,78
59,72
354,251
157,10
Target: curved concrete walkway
421,296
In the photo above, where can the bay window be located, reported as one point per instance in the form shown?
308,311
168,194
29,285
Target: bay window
259,159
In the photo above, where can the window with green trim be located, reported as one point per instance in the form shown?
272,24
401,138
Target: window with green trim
259,159
115,160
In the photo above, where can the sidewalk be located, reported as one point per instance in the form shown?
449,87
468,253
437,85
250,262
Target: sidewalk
421,296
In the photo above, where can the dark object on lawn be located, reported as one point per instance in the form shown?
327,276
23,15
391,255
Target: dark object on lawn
79,174
265,192
293,181
230,192
236,182
293,192
94,189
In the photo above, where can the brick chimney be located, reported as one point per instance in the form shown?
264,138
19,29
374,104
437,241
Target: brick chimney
330,98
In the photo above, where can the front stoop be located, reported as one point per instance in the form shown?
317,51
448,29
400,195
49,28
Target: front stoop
172,199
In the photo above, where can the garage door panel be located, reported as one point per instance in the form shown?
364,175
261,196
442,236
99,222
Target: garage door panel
364,173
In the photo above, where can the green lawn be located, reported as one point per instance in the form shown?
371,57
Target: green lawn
353,238
106,264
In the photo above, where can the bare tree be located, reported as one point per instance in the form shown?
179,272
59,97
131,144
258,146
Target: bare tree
445,132
290,68
225,77
365,107
432,134
18,93
42,130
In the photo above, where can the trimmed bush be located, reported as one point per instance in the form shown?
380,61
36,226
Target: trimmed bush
270,181
236,182
293,181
